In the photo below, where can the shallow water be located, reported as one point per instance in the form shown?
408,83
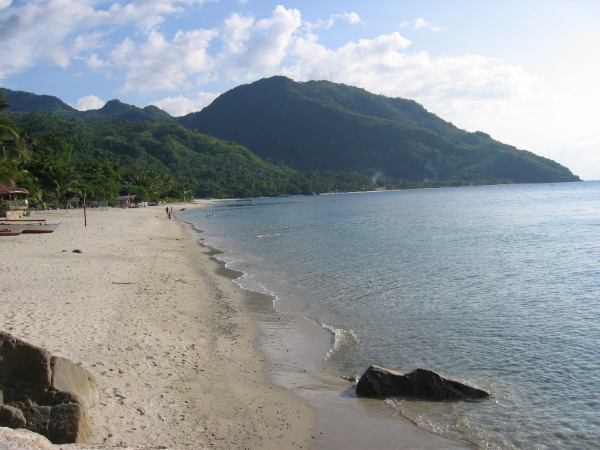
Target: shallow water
498,286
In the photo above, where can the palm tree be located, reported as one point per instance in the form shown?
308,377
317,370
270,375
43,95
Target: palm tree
3,104
157,184
60,180
12,151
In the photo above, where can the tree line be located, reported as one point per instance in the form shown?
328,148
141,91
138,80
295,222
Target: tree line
58,160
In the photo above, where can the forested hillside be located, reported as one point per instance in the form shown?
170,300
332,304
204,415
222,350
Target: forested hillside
324,125
268,138
112,111
204,165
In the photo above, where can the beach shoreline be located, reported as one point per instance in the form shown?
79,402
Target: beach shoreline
180,353
294,349
143,308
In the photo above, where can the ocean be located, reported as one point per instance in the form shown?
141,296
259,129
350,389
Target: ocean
498,286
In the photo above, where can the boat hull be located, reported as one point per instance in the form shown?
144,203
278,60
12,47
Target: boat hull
34,228
9,232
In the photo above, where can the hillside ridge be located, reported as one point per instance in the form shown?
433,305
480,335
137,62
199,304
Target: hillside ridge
325,126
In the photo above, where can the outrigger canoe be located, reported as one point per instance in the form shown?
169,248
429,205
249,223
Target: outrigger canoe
31,228
9,232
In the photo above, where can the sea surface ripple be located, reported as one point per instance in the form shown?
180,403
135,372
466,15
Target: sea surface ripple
498,286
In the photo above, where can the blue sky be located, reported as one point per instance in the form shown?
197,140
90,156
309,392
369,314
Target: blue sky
526,72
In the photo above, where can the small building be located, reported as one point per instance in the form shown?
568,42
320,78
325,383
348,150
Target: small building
126,201
13,201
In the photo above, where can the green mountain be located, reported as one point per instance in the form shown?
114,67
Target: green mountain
205,165
319,125
112,111
323,126
26,102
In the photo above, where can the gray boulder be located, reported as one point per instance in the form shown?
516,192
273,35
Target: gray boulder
70,377
421,383
51,394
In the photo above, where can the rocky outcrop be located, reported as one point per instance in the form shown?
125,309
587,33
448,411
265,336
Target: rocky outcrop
11,417
69,377
421,383
45,394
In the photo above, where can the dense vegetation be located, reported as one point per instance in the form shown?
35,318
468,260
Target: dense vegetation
154,160
324,125
12,148
270,138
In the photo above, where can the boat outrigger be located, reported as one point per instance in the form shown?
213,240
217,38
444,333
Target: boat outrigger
33,226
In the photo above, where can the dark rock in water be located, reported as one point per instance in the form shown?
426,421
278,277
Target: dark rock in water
421,383
45,394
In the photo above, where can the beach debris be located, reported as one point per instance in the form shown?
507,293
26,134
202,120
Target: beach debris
77,251
52,393
421,383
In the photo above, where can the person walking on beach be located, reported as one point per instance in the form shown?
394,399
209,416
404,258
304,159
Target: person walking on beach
168,212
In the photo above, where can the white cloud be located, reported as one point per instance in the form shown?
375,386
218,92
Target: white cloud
236,32
159,64
181,105
89,102
94,62
383,65
353,63
62,55
37,31
350,17
56,31
267,46
146,15
250,49
420,23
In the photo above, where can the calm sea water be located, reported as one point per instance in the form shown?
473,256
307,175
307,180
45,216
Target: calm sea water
498,286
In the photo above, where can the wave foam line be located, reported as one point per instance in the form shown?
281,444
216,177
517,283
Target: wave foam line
343,340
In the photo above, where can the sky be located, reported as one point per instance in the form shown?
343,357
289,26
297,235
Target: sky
527,72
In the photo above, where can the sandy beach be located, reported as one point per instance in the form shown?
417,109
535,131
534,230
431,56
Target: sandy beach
143,309
172,341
